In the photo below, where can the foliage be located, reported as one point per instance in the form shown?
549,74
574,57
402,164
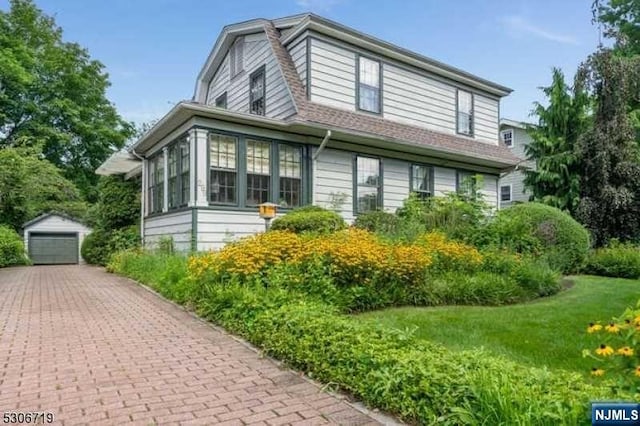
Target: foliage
546,333
617,353
459,216
54,94
95,247
541,230
378,221
118,203
391,370
615,260
309,219
621,20
98,247
610,171
166,245
31,186
11,248
555,179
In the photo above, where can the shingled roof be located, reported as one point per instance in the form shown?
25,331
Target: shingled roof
349,121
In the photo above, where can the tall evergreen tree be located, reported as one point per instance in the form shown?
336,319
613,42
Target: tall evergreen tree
555,181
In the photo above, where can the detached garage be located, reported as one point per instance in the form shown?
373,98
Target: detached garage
54,239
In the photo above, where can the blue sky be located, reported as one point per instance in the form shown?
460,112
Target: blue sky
153,50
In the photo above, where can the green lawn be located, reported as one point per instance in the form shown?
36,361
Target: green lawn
548,332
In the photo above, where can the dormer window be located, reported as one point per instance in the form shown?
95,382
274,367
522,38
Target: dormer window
235,57
507,137
368,85
257,92
465,113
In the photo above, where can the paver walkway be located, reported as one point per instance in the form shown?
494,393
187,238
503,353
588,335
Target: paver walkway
93,348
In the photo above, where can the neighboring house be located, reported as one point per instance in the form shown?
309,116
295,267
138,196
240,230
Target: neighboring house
303,110
513,135
54,239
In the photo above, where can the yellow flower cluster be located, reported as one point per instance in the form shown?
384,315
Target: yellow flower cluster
248,255
451,253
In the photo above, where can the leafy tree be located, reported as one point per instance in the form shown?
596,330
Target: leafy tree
607,152
52,92
30,186
621,21
118,203
556,180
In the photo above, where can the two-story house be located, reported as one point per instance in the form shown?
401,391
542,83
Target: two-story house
514,136
303,110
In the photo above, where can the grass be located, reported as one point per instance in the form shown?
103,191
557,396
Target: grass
549,332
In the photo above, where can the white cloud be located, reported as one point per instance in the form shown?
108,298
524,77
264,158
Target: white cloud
317,5
518,26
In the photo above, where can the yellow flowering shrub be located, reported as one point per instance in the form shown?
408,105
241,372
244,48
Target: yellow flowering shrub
248,255
617,351
450,254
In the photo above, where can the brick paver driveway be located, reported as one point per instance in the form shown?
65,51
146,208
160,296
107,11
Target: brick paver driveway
93,348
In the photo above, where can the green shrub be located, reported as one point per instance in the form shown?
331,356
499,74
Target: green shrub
95,247
617,260
538,229
124,239
390,370
311,219
11,248
379,222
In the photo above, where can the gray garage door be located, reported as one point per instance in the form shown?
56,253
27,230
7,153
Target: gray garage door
53,249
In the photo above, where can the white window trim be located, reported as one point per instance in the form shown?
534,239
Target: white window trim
510,193
513,135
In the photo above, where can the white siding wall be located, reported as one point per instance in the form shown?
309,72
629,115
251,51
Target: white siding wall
444,180
298,52
415,99
333,176
217,227
175,225
410,97
395,183
257,52
60,224
490,190
516,178
333,75
485,115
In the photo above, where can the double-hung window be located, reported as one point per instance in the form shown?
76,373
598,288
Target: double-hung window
153,186
368,184
257,92
158,201
505,193
368,85
185,183
507,137
290,171
258,172
422,181
465,113
223,172
173,176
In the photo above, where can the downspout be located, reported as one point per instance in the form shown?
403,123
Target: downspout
143,201
321,148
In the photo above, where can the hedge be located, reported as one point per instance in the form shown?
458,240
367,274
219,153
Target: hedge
11,248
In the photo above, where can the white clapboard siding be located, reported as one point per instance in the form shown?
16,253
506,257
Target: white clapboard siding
256,52
518,193
175,225
333,74
298,52
444,181
413,98
395,183
490,190
485,116
332,179
218,227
